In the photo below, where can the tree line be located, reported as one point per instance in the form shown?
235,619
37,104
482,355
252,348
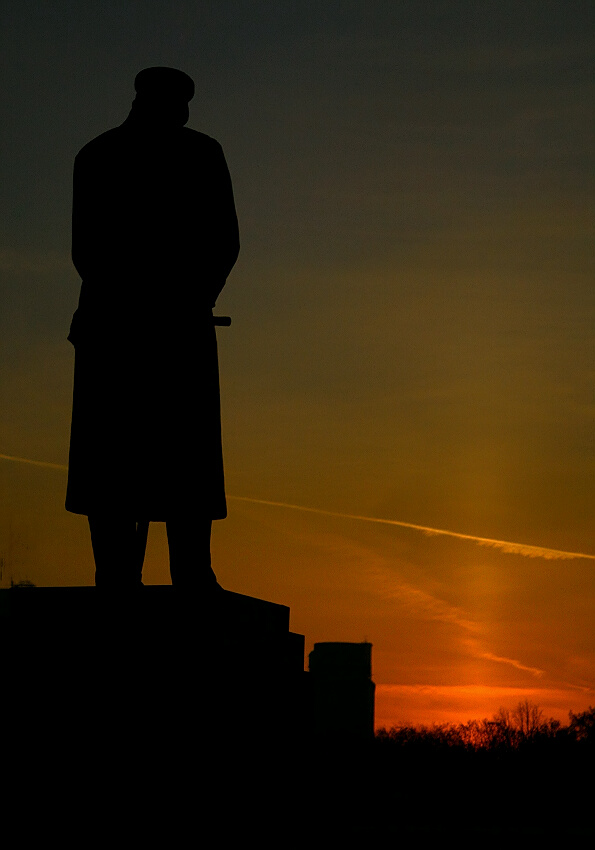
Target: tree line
509,729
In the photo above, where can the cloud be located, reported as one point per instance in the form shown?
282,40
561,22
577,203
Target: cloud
425,605
419,602
44,463
535,671
507,546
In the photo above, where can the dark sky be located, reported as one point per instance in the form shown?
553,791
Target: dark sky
413,306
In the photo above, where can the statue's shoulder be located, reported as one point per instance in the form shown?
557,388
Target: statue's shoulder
110,145
107,141
196,139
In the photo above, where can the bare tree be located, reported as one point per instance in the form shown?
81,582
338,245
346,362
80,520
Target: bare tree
527,718
582,725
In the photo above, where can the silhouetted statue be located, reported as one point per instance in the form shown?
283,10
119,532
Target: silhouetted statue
154,237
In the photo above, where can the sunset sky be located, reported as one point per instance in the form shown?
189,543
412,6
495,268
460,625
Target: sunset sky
413,321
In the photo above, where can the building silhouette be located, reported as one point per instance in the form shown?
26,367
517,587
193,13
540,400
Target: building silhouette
124,662
342,690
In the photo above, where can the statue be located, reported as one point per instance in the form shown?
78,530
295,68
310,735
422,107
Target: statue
154,237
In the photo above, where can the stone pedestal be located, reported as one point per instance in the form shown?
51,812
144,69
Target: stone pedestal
155,663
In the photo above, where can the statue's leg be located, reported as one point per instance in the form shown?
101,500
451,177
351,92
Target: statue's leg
189,540
115,549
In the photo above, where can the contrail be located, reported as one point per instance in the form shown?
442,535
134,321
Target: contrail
502,545
35,462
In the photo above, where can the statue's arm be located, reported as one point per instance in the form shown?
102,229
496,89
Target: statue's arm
226,236
82,221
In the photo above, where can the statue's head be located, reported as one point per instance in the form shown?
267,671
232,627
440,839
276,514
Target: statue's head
162,96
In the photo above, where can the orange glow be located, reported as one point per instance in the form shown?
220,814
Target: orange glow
418,705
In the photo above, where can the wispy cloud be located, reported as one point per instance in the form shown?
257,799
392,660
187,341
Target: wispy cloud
44,463
428,606
507,546
419,602
500,659
511,548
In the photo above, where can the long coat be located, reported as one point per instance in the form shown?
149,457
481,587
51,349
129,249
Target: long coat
154,236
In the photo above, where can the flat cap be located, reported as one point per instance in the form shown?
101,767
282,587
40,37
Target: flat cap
164,82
